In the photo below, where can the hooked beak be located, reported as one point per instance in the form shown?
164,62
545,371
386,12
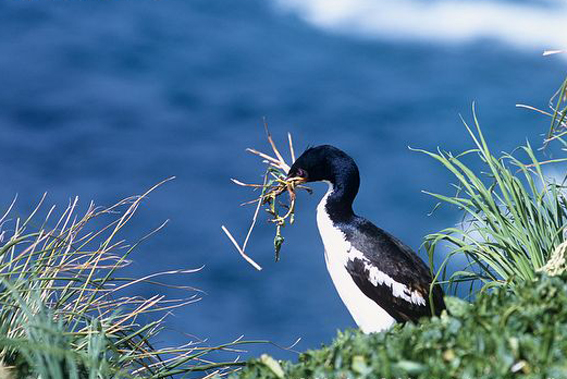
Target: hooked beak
295,179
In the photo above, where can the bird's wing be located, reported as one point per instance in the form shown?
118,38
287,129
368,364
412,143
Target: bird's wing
391,274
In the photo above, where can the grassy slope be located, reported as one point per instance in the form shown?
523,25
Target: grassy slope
501,335
67,310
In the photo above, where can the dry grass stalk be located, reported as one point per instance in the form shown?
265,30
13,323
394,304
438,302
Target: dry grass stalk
557,114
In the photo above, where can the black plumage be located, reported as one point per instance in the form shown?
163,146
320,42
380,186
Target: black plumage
405,293
396,260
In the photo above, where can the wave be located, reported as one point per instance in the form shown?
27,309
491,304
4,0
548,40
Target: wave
524,25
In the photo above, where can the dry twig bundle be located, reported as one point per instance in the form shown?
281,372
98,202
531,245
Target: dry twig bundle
276,182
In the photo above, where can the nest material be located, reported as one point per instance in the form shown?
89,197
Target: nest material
276,182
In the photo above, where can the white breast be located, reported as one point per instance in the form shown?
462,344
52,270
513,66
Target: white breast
368,315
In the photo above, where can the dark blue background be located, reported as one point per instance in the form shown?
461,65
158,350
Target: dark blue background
103,99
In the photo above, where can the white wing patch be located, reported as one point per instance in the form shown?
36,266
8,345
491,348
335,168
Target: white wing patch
378,277
400,290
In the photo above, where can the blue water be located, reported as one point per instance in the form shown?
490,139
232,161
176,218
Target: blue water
104,99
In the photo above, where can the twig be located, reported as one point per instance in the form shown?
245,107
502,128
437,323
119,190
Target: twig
292,152
254,218
248,259
238,182
265,156
276,151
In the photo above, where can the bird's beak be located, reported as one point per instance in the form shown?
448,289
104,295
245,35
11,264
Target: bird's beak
296,179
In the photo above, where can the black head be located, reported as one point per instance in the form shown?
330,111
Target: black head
326,163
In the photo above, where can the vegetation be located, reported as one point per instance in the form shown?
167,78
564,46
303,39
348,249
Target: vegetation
503,334
558,115
275,183
513,241
514,215
65,310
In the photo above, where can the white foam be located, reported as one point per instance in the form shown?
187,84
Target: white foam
531,26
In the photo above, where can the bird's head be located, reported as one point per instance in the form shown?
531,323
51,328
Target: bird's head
324,163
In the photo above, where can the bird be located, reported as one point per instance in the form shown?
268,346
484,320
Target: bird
380,280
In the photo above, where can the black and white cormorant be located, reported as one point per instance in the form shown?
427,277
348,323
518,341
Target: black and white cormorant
380,279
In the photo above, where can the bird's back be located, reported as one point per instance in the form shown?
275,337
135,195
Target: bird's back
391,273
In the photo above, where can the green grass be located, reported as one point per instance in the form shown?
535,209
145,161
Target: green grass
558,115
503,334
514,215
67,312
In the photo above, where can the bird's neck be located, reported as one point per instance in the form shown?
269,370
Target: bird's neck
338,201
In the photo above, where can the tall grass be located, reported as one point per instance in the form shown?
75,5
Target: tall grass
558,107
66,311
513,215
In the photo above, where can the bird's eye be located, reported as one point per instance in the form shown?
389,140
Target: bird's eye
301,173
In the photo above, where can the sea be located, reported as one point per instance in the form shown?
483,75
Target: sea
102,99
